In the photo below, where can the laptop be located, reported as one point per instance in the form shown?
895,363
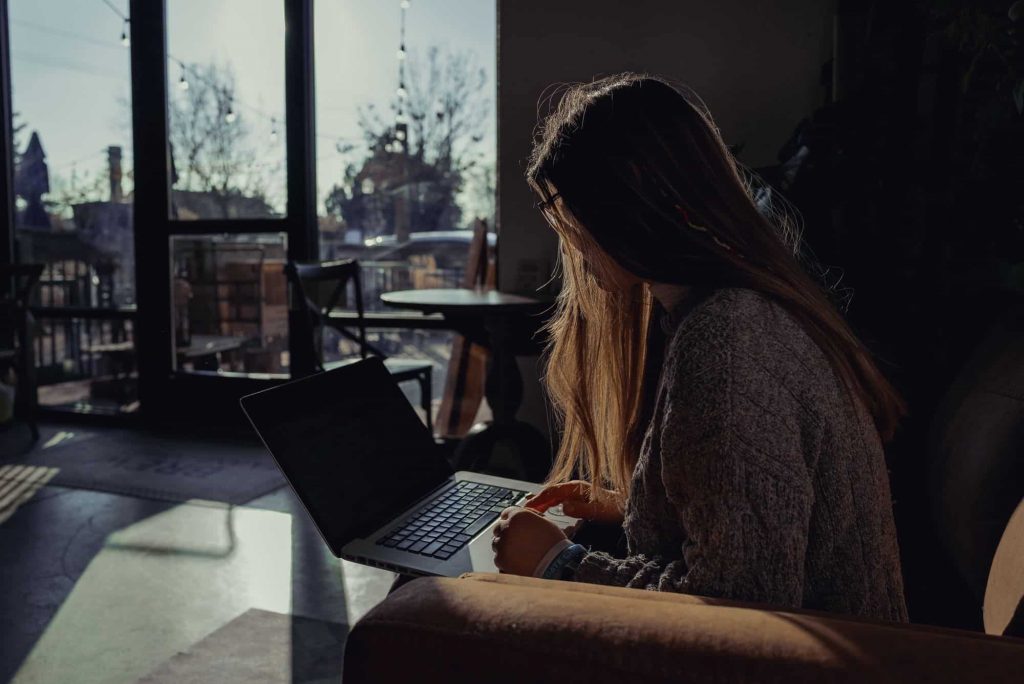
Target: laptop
375,483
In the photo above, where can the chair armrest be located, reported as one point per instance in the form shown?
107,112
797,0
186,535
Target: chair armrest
502,629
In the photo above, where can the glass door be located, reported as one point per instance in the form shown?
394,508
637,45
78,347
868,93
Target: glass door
228,196
223,199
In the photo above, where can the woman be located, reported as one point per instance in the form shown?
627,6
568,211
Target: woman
711,398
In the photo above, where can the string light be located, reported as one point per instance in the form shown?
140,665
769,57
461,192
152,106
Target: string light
125,39
188,72
190,75
403,94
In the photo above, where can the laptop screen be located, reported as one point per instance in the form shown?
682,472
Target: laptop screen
351,446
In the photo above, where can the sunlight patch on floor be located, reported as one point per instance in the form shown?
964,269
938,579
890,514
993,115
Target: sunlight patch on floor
365,587
19,483
161,585
58,438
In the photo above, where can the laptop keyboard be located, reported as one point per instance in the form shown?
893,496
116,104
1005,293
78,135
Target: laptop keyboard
449,522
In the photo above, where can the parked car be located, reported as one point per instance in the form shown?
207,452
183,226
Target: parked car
450,248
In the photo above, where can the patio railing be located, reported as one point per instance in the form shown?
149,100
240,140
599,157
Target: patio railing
78,345
387,276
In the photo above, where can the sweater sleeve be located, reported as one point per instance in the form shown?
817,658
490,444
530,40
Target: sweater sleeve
732,464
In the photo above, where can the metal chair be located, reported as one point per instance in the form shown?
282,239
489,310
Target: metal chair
332,278
16,348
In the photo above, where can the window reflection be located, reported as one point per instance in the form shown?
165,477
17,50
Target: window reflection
230,304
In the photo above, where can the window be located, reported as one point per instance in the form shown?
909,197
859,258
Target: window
406,146
73,187
226,123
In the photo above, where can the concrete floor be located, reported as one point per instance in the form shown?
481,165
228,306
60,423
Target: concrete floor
98,587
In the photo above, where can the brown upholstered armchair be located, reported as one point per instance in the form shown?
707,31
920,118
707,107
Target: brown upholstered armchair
499,628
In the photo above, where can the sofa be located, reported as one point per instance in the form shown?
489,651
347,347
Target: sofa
500,628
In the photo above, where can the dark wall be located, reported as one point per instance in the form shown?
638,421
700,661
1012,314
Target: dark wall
756,65
912,188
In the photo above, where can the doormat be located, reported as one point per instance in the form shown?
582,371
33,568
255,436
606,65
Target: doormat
166,467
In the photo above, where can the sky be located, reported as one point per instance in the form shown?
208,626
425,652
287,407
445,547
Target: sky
71,79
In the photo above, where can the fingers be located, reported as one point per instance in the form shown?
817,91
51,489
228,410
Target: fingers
498,541
504,520
520,537
497,531
553,495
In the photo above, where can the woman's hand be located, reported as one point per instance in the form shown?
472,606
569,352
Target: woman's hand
574,496
521,539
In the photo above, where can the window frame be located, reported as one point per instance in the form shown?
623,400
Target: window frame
6,151
162,391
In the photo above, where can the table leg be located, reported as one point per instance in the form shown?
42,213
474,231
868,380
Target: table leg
503,386
505,446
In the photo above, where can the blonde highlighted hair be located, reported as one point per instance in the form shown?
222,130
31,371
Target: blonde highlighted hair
597,351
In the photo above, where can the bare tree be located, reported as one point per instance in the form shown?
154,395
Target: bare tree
210,139
442,118
447,108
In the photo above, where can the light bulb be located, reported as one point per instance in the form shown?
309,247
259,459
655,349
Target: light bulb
400,135
182,83
231,117
402,92
401,53
125,40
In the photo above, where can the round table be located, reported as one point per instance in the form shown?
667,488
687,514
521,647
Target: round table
506,324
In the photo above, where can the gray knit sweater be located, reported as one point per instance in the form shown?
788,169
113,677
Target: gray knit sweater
758,480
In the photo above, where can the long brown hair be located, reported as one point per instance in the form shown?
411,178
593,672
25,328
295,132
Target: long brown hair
631,168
